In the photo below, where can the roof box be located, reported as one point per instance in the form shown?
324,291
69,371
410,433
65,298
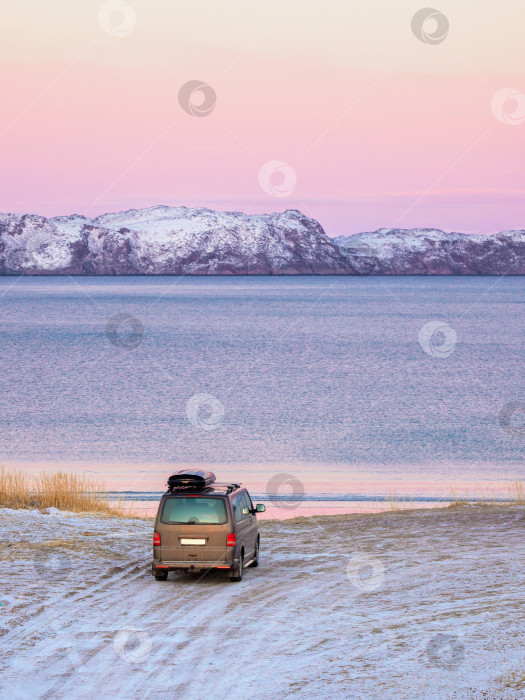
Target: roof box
190,479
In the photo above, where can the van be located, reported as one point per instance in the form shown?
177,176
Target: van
202,525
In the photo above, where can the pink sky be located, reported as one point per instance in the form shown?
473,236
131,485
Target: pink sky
379,128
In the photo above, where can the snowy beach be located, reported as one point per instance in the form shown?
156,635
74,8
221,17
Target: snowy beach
419,604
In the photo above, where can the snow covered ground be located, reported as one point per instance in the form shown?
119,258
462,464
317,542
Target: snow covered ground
421,604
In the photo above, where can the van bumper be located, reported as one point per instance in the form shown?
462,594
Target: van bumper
165,566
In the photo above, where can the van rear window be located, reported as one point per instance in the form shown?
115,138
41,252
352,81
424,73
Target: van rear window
205,511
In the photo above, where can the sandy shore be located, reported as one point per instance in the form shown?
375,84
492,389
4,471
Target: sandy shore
419,604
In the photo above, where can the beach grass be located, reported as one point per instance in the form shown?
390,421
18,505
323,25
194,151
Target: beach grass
70,492
511,494
497,494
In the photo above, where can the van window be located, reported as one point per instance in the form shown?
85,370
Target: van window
237,508
248,500
239,502
205,511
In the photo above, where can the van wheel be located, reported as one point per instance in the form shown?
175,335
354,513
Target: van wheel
238,574
255,561
161,577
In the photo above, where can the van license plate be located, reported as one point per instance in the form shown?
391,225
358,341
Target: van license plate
191,541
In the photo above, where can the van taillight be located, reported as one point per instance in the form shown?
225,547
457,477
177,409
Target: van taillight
230,540
156,539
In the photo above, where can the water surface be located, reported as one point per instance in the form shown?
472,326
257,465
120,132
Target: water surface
321,378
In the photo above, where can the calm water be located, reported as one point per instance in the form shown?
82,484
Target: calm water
324,379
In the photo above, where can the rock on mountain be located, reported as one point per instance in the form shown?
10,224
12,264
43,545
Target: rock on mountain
168,240
434,252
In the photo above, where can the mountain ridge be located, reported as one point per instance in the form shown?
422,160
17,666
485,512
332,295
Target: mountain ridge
164,240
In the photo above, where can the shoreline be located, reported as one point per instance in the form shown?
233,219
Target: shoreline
67,488
278,513
231,275
293,518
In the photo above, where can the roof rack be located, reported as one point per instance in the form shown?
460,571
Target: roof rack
228,488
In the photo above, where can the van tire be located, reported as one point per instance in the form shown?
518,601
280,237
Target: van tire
238,573
161,577
255,561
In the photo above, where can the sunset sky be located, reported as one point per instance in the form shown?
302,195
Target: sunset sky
376,127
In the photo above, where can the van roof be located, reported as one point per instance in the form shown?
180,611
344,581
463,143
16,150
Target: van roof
214,490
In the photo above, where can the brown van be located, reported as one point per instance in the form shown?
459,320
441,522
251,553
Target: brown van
201,525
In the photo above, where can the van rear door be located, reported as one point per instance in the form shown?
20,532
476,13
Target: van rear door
194,528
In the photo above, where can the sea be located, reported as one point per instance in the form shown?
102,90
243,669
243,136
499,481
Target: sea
321,394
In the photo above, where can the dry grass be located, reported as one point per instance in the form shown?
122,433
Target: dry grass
511,495
516,681
508,494
394,502
71,492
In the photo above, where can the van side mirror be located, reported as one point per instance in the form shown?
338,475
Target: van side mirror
260,508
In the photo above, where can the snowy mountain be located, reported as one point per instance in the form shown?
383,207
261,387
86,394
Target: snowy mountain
434,252
177,240
168,240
